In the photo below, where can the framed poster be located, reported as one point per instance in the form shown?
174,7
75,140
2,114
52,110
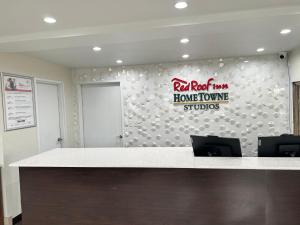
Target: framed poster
18,101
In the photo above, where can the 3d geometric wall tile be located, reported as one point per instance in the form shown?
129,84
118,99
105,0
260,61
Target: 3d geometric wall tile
258,101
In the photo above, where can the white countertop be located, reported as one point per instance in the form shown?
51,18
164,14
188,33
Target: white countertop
150,158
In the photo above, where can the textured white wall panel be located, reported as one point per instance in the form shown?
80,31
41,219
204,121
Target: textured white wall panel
258,92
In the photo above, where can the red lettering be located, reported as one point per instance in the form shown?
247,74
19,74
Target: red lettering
203,87
180,85
186,88
225,86
176,86
209,83
194,85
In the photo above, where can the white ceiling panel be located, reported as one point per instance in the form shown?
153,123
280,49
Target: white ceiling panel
143,31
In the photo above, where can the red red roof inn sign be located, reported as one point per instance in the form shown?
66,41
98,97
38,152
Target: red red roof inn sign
200,96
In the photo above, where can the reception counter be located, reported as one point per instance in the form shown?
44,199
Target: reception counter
157,186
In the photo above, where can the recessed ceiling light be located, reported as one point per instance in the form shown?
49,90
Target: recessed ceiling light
49,20
185,56
285,31
184,41
246,61
260,50
97,49
119,61
181,5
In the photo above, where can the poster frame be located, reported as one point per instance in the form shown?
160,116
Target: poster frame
3,74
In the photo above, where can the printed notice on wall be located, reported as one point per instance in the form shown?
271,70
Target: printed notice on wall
18,102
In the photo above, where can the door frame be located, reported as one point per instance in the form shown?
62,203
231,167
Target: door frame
296,108
80,109
61,107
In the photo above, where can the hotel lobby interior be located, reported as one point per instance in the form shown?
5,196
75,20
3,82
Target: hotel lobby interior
161,112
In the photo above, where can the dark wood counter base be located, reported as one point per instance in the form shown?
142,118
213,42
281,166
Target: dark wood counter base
129,196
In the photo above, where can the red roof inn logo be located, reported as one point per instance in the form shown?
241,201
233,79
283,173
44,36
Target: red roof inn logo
200,96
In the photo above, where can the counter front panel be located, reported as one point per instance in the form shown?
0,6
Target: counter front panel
153,196
157,186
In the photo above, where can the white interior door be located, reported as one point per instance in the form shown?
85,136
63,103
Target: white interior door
49,122
102,115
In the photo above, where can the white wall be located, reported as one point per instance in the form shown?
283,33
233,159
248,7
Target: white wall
259,101
294,70
294,64
22,143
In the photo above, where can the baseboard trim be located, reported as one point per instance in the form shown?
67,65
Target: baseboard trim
17,219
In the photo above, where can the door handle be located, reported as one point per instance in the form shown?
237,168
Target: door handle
60,139
121,136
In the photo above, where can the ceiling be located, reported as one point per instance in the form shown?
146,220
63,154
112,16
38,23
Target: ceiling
143,31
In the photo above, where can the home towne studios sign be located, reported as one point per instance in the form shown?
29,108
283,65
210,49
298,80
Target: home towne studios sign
194,95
